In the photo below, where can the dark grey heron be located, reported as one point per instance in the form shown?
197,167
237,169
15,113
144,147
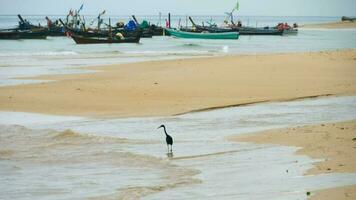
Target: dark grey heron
169,139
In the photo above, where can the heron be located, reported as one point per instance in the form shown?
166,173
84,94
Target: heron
169,139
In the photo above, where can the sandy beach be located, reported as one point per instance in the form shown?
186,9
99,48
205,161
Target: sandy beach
333,142
159,88
176,100
332,25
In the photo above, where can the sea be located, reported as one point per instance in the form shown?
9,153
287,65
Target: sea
73,157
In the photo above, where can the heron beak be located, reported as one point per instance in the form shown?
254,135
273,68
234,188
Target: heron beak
159,127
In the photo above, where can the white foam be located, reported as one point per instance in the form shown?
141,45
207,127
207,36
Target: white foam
43,53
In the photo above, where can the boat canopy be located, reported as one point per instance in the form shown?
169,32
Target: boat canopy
131,26
144,24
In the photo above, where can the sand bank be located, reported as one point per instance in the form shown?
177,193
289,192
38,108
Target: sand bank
332,25
335,142
342,193
172,87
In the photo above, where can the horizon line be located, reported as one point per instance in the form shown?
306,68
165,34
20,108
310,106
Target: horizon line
181,15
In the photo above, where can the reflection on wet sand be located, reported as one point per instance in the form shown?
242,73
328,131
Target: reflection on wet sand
170,155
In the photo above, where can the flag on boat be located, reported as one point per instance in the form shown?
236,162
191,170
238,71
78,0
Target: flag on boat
70,12
237,6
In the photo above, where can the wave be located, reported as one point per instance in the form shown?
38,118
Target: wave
139,192
67,134
47,53
191,45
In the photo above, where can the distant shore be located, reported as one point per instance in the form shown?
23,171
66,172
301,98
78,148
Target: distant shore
161,88
332,25
334,142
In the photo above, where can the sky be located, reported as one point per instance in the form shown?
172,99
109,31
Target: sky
183,7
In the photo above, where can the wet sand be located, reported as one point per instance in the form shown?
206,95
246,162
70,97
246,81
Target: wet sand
332,25
161,88
335,143
114,158
342,193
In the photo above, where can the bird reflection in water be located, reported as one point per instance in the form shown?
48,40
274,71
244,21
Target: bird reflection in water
170,155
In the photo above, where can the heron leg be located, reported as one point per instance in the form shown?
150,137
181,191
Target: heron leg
168,148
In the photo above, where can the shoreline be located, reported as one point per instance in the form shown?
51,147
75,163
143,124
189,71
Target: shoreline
332,142
258,102
175,87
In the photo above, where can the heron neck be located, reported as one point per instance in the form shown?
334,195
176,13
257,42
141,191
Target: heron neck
165,132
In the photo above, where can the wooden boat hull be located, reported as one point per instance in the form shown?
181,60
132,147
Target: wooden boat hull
105,33
100,40
14,35
158,31
260,31
351,19
290,31
40,35
192,35
56,31
9,35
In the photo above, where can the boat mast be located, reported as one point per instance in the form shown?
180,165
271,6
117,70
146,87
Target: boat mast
110,32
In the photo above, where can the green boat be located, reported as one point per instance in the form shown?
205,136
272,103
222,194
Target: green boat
203,35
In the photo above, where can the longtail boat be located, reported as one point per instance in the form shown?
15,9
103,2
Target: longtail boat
102,33
27,34
101,40
351,19
260,31
109,39
243,30
148,29
202,35
53,29
291,31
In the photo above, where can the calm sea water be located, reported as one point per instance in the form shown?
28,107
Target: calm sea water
59,55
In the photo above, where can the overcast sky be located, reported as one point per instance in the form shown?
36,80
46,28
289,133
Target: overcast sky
182,7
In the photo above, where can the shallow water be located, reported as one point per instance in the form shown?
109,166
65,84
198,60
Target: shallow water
60,55
126,158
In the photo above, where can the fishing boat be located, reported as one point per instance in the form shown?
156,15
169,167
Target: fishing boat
103,33
292,31
243,30
148,29
202,35
351,19
52,29
108,40
260,31
27,34
157,30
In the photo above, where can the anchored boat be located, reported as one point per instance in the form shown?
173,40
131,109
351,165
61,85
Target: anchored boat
27,34
107,40
203,35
